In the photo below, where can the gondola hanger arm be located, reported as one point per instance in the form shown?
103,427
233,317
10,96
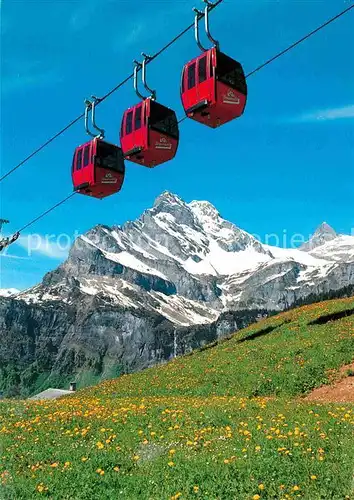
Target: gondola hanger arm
137,67
96,100
91,106
198,15
208,7
145,61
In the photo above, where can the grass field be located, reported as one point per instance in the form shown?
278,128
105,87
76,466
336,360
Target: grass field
226,422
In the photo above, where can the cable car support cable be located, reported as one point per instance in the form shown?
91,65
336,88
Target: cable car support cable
295,44
46,212
182,33
292,46
266,63
112,91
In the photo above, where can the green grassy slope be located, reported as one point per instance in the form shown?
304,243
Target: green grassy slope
226,422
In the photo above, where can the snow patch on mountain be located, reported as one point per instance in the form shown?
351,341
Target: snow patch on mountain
292,254
129,260
185,263
341,249
8,292
219,262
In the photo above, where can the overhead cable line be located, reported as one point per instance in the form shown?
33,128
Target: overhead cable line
295,44
292,46
46,212
112,91
266,63
182,33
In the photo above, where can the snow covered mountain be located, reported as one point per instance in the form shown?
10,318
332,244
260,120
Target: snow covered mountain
184,261
322,235
176,277
8,292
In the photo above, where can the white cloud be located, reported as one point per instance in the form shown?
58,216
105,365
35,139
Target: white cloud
134,34
54,247
326,115
5,255
12,83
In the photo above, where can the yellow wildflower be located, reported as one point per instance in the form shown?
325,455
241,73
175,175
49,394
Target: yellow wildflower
41,488
176,496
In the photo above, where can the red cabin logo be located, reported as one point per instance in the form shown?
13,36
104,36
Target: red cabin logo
164,143
231,98
109,179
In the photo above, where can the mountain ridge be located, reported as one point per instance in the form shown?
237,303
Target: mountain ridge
189,250
323,233
179,275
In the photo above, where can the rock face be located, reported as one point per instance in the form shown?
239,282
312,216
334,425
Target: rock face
322,235
132,296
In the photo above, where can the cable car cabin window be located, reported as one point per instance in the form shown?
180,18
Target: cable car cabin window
109,156
79,159
182,80
129,123
163,120
191,76
73,163
122,127
202,69
231,73
86,156
137,123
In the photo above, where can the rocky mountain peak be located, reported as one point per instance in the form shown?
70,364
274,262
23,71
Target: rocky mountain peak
204,210
176,278
187,250
322,235
325,228
168,198
175,207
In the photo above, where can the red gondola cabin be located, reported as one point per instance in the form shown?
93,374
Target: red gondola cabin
149,133
213,89
98,169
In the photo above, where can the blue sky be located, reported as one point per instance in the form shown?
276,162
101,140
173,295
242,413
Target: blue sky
287,164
